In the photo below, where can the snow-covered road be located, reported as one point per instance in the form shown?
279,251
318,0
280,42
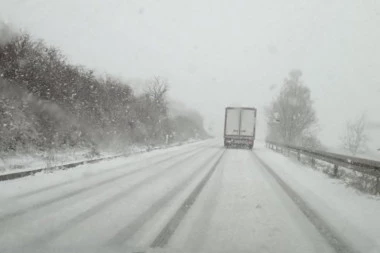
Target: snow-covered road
194,198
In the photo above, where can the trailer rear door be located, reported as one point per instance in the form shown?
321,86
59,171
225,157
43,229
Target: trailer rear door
247,125
232,121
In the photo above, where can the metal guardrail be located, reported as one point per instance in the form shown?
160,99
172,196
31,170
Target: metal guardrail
365,166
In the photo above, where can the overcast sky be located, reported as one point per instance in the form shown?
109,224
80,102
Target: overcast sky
218,53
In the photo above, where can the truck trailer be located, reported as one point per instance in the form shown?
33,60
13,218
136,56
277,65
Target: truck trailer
240,127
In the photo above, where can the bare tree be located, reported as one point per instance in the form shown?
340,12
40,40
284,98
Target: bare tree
157,90
291,115
354,139
156,107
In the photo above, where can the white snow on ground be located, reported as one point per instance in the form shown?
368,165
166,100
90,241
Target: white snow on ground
39,222
240,211
241,208
95,229
353,214
123,214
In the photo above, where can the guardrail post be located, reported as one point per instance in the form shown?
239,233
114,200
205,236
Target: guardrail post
377,190
312,162
335,170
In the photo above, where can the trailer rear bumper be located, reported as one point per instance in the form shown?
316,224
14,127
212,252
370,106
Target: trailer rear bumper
231,141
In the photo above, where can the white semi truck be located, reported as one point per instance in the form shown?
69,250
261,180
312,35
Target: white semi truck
240,127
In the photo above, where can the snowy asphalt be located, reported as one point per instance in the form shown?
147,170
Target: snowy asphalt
195,198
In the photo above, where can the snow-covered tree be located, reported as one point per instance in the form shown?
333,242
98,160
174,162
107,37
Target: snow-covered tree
354,139
49,103
291,114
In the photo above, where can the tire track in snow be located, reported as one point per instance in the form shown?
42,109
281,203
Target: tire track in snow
198,233
52,234
130,229
164,236
327,232
9,216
